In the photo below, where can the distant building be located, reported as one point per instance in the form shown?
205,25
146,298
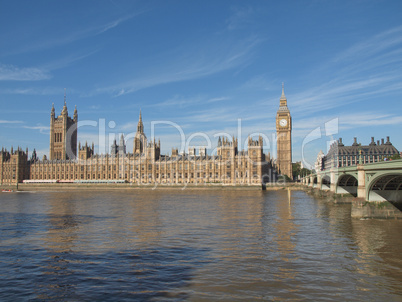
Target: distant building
319,160
340,155
120,149
63,134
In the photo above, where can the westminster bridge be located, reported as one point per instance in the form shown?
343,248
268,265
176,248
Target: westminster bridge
381,181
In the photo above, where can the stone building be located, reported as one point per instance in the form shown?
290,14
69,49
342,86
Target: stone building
340,155
318,162
284,137
118,149
228,166
146,165
63,134
140,140
14,165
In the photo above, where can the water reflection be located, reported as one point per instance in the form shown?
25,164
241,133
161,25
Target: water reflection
186,245
284,232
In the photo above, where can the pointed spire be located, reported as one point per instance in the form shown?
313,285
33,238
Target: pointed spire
140,127
283,101
64,111
283,97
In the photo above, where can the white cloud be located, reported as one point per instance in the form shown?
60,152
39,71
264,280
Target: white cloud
260,82
364,119
217,99
103,28
14,73
42,129
10,122
341,92
239,17
370,68
70,37
67,60
188,65
131,126
180,101
34,91
373,45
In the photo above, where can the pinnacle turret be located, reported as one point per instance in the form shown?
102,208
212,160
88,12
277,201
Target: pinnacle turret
75,117
140,126
283,102
283,92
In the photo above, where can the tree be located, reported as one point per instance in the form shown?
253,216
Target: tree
298,171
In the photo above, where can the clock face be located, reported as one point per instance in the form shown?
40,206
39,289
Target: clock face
283,122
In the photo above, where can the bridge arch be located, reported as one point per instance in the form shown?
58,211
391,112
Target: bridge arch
326,182
386,187
347,184
315,179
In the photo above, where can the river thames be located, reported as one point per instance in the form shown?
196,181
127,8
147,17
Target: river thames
193,245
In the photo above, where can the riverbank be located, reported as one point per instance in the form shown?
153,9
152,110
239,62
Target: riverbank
125,186
130,186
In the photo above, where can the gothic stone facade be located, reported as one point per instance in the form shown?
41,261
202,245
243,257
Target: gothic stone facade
284,137
14,166
146,165
63,135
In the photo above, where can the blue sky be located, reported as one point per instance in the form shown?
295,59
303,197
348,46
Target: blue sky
206,66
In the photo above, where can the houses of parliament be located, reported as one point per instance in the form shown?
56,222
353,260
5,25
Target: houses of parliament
69,163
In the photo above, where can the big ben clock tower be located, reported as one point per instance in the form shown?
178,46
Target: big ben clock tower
284,137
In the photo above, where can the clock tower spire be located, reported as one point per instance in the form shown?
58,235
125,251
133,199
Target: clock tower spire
284,137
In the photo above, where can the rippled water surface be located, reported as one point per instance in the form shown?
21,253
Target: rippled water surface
193,246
